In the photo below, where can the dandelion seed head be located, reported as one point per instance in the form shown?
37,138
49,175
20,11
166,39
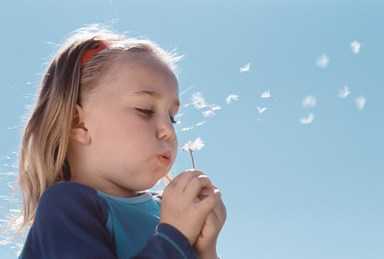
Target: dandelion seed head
195,145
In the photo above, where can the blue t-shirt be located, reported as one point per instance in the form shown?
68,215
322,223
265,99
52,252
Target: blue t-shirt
75,221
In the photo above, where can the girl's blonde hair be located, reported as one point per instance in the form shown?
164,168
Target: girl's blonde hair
65,83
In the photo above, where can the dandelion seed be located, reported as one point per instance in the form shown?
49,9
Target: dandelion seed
355,46
200,123
261,109
13,127
186,128
211,111
245,68
322,61
266,94
215,107
309,101
360,102
198,101
344,92
208,113
231,98
308,119
5,242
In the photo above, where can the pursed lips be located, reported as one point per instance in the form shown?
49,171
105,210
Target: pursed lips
165,157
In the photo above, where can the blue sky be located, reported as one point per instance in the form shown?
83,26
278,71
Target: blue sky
292,190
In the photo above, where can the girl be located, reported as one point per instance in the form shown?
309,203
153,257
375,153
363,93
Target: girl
99,137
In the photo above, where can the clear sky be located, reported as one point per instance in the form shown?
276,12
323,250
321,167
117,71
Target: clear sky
293,91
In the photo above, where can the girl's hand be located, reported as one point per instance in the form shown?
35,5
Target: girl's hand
206,242
181,207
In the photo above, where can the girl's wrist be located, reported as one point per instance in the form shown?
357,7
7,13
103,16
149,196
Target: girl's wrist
209,255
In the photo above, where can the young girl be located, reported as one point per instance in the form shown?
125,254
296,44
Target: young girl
100,136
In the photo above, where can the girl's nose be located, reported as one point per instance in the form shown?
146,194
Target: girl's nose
166,131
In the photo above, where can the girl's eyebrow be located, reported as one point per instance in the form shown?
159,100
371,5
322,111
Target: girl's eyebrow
155,95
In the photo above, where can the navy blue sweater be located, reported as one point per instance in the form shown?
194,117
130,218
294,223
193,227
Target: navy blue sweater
75,221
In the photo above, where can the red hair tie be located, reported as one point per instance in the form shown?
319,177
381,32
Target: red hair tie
88,54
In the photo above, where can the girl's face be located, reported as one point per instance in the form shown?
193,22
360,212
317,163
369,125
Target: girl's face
129,122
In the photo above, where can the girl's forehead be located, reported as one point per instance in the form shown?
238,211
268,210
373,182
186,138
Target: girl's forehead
130,74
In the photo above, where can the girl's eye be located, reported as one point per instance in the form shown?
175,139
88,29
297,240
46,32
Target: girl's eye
173,119
146,112
149,113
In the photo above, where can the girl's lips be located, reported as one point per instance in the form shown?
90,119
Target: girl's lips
164,160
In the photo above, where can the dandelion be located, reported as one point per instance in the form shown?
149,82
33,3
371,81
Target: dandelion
191,146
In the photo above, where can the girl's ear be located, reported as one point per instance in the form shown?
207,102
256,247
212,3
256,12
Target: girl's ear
79,132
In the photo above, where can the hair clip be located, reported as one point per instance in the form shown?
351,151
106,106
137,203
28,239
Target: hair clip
88,54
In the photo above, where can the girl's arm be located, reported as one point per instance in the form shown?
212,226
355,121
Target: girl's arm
70,223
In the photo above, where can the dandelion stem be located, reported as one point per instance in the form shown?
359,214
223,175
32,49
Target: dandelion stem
193,160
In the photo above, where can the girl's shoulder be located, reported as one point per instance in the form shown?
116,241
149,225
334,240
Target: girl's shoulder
71,197
69,215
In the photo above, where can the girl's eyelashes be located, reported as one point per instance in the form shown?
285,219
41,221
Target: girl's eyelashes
149,114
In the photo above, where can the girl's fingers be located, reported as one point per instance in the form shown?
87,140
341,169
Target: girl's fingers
182,180
197,185
209,203
221,211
